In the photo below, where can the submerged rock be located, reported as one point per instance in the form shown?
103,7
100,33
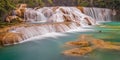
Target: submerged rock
78,43
78,51
101,44
85,46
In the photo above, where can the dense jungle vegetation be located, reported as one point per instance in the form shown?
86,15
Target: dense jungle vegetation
8,5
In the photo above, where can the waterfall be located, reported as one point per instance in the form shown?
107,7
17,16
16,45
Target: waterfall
57,14
28,31
99,14
56,19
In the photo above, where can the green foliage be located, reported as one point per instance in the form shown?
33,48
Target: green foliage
113,4
50,1
8,5
4,24
41,3
5,7
84,3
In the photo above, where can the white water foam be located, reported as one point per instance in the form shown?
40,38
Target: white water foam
58,14
99,14
55,35
75,19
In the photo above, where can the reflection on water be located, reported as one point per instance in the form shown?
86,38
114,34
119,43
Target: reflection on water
50,48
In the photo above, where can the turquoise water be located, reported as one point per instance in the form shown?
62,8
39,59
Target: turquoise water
50,48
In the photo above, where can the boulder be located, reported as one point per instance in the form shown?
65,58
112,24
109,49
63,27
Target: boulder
11,38
11,18
81,9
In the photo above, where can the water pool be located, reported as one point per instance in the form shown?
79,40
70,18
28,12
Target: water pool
50,48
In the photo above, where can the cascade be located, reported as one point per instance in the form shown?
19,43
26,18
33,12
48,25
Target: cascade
48,19
99,14
57,14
